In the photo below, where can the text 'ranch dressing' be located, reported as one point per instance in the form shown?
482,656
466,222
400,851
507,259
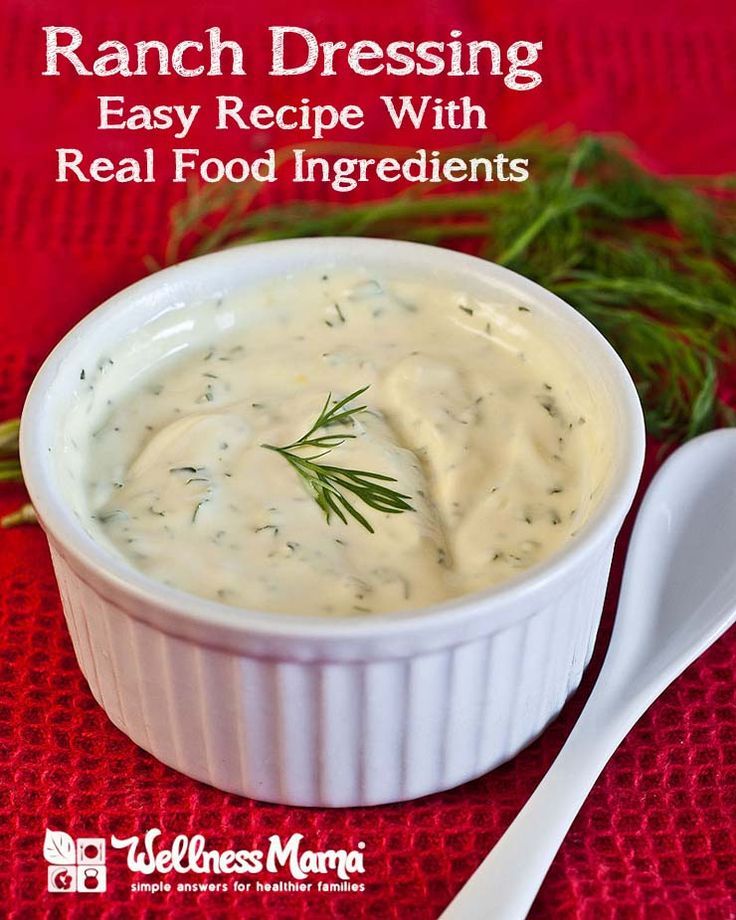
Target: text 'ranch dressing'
478,416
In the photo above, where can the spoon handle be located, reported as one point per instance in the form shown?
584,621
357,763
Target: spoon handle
505,884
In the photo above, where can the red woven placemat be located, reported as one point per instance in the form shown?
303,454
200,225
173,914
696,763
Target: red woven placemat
657,837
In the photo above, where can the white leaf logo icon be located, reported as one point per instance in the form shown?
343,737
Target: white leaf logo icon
58,848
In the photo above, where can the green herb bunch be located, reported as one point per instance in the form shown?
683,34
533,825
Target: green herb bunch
649,260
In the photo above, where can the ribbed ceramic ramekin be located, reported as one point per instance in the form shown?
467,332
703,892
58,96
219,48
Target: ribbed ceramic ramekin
317,711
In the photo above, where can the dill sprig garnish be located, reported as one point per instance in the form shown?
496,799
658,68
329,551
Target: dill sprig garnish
650,260
328,484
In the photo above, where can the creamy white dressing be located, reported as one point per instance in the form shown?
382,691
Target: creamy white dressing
482,419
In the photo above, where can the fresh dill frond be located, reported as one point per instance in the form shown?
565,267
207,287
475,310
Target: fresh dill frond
650,260
328,484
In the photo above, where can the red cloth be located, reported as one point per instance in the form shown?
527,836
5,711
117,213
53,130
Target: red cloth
657,837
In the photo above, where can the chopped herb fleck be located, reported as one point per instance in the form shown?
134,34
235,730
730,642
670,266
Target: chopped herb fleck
197,507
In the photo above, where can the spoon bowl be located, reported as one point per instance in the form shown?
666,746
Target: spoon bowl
677,597
679,588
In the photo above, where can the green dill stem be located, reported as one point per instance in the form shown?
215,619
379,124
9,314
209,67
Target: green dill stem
639,288
10,471
24,515
308,220
9,436
533,230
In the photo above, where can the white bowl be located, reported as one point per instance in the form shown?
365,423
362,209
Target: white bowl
316,711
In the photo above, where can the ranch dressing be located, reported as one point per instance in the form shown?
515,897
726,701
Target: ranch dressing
479,417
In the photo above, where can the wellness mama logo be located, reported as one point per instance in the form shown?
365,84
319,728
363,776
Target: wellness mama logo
79,865
75,865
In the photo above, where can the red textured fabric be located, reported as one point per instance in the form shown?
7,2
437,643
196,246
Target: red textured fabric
657,837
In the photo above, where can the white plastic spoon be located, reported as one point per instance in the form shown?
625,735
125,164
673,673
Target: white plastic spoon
678,596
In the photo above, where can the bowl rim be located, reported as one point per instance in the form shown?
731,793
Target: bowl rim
177,610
